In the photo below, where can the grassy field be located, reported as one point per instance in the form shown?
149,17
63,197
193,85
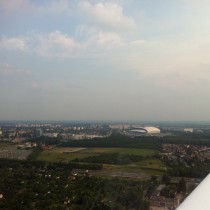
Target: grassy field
57,154
149,165
130,151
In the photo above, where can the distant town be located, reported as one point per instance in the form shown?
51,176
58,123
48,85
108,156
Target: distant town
17,132
170,159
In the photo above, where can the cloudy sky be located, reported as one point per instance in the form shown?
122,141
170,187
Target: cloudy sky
105,60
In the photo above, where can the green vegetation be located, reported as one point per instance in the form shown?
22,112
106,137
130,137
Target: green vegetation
126,154
150,166
35,154
129,151
47,181
117,141
46,140
170,189
121,141
65,154
199,171
53,186
194,139
113,159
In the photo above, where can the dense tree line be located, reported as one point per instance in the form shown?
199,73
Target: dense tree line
8,163
171,189
199,171
112,158
147,142
117,140
194,139
45,140
36,152
41,187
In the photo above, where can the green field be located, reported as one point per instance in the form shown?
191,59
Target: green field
149,165
64,154
130,151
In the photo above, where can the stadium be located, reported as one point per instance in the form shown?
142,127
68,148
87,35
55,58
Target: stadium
144,130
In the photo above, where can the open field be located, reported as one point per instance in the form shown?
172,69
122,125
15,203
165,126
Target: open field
10,151
130,151
149,165
64,154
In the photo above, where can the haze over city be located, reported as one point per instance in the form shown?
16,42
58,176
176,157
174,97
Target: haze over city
105,60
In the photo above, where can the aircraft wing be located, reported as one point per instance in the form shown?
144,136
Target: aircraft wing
199,199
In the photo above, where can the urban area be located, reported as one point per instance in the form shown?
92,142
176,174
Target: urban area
151,166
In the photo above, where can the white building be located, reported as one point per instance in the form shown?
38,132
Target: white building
188,130
152,130
145,130
50,134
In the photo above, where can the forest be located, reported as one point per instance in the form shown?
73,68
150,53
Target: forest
25,185
146,142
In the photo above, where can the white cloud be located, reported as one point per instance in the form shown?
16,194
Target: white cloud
58,6
109,14
14,43
103,40
61,45
167,63
108,39
98,38
104,13
14,5
138,42
7,70
56,44
39,86
54,6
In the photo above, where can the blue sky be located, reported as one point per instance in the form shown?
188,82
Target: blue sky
105,60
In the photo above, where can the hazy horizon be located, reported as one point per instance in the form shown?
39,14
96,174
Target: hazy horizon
94,60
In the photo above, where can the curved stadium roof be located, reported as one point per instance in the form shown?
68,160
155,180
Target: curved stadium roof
147,129
151,129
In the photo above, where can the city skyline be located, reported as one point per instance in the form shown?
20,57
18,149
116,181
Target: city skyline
105,60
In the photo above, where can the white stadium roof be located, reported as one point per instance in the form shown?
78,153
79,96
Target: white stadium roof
147,129
151,129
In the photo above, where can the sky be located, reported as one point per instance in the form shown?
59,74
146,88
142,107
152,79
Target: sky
145,60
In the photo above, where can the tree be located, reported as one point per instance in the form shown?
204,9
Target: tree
165,179
182,185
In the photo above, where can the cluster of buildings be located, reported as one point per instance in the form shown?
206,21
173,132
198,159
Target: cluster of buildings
183,129
19,153
21,131
183,153
159,202
136,130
